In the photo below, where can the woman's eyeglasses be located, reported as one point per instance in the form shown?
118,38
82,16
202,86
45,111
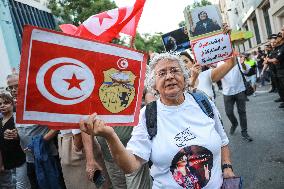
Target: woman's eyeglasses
173,71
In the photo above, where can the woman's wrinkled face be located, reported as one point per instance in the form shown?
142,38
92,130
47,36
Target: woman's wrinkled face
5,106
170,82
187,61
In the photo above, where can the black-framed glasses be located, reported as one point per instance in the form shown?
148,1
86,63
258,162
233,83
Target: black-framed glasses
173,71
11,87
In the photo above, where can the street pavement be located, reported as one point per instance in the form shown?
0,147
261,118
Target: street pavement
260,163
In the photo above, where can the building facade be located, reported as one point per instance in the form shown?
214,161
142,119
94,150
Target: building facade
262,17
14,14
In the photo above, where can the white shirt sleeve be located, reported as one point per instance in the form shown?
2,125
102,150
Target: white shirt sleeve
219,125
140,143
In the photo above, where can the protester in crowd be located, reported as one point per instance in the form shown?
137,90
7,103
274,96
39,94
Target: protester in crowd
73,160
254,56
204,25
182,127
234,92
265,73
273,42
259,59
26,132
13,157
116,175
251,72
5,176
203,79
95,159
277,59
272,67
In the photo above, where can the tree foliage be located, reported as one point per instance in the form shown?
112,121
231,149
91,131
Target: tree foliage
147,42
77,11
199,4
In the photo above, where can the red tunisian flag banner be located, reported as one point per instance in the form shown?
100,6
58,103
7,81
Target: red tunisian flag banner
107,25
64,77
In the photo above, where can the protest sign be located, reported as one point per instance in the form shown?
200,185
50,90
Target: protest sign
63,78
208,43
176,40
210,50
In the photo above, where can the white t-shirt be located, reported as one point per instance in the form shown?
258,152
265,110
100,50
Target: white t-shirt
232,82
205,83
185,134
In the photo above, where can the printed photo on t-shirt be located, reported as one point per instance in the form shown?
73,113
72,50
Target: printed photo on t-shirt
191,167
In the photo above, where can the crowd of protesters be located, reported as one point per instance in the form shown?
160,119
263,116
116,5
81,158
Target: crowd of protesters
123,154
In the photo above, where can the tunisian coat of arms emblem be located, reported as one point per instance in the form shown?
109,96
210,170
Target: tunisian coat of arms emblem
117,92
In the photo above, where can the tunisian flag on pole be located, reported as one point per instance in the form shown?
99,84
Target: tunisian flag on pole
107,25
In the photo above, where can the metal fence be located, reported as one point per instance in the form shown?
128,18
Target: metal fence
24,14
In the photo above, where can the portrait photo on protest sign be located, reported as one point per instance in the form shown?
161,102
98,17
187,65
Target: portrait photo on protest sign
176,40
63,78
202,21
212,49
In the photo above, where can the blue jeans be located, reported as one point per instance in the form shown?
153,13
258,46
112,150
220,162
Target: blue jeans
6,180
22,180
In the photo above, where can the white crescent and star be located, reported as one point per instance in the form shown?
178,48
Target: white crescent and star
65,81
122,63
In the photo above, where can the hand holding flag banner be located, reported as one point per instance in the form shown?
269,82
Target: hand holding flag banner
107,25
63,78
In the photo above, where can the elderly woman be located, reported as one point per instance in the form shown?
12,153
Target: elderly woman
189,148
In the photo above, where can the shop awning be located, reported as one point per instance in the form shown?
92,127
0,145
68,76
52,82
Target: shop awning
241,35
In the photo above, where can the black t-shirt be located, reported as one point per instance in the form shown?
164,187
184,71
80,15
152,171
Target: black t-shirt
260,59
12,153
279,55
270,55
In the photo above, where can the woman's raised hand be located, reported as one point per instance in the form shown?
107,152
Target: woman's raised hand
94,126
195,70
